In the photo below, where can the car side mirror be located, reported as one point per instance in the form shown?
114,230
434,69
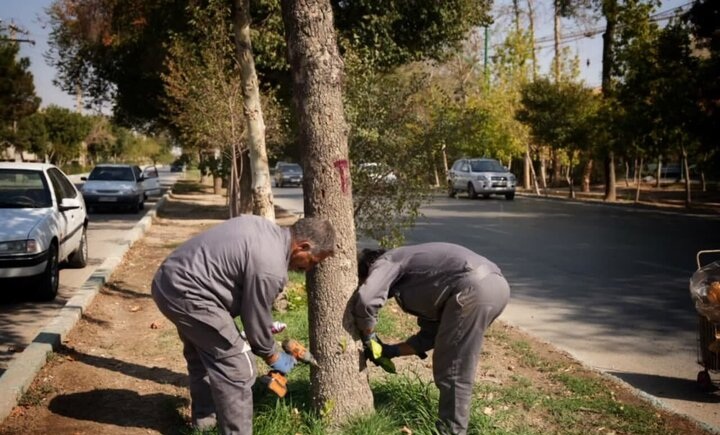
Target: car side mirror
141,179
83,178
69,204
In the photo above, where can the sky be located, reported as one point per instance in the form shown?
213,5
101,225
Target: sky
30,15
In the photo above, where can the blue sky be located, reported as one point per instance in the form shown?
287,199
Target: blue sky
30,15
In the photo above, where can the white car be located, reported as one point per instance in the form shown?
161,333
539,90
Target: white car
44,223
151,185
115,186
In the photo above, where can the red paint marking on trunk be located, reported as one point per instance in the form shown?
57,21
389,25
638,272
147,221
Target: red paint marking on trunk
342,167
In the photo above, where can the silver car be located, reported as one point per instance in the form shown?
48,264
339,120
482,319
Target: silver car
116,186
481,177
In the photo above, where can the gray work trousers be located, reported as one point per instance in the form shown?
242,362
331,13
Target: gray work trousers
220,367
458,343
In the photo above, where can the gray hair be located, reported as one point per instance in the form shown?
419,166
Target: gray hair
316,231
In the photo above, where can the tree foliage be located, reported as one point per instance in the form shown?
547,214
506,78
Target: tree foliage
17,91
66,131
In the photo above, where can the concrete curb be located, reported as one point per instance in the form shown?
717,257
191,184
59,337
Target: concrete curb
22,370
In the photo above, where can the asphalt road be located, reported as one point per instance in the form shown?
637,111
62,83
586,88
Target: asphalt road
607,284
21,318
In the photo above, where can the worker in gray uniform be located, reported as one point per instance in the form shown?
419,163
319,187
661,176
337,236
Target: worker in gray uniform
455,294
235,269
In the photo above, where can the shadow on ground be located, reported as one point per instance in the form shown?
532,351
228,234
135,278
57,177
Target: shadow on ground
157,411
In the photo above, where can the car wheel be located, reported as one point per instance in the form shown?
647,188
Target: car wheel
471,191
510,196
49,281
79,258
142,204
451,190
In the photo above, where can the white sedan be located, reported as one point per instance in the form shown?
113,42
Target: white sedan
44,223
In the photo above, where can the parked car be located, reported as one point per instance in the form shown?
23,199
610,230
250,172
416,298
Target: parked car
151,184
115,186
287,174
177,167
481,177
44,223
378,172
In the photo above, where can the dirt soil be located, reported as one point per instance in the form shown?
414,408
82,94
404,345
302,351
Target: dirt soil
121,370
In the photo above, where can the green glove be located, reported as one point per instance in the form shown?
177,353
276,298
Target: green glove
374,352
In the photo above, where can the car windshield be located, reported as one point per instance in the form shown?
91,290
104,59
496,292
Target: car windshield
21,188
111,173
487,166
290,168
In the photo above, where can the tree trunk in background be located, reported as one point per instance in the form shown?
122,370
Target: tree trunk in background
659,171
535,180
639,183
340,386
587,176
686,168
531,28
610,188
627,173
543,174
526,168
703,183
261,190
610,11
569,177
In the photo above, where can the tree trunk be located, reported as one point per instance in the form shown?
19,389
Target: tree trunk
703,183
535,181
531,28
639,183
261,190
659,172
340,386
527,164
245,205
688,198
217,184
610,188
233,188
543,174
587,175
627,173
635,171
556,33
610,11
569,177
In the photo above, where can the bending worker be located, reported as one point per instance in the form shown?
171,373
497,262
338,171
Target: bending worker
455,294
235,269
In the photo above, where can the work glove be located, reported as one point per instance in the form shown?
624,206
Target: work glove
284,363
380,353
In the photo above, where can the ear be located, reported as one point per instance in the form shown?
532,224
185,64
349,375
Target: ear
305,246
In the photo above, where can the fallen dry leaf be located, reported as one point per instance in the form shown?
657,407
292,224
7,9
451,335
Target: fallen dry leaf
135,308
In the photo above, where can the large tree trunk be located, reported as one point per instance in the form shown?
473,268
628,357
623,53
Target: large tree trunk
543,174
339,385
639,182
261,190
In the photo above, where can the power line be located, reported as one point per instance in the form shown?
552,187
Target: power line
657,17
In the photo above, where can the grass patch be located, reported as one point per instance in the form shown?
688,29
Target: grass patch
189,186
37,394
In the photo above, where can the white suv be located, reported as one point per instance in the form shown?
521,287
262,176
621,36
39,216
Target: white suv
44,222
481,177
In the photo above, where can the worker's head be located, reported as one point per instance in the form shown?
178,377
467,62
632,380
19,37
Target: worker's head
313,240
366,259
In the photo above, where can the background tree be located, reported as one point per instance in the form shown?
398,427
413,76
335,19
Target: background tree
338,389
32,135
66,131
17,91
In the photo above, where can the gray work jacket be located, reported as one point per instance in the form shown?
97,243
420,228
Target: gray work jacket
420,278
240,266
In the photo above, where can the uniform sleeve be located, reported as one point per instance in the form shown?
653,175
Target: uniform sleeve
373,294
424,340
259,292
